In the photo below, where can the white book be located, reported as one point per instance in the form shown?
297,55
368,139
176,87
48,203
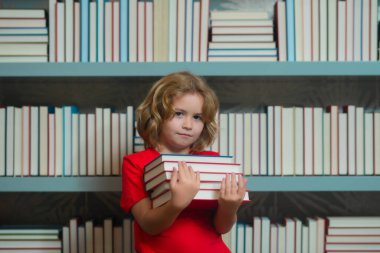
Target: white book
99,141
323,27
24,31
368,144
22,13
181,30
3,124
287,142
89,227
312,223
92,32
342,144
122,136
315,30
43,141
248,235
24,58
242,38
189,30
10,135
341,44
354,221
98,239
118,242
351,143
51,150
82,144
204,28
132,30
254,143
277,137
298,141
352,239
130,127
77,33
373,30
22,23
69,30
60,46
299,30
334,140
376,142
256,235
243,14
242,30
24,38
349,30
361,231
241,45
359,140
240,234
91,145
196,31
357,34
223,134
265,235
23,49
116,31
273,238
326,144
270,146
149,32
231,135
108,38
172,31
115,143
366,29
233,239
299,235
202,167
263,144
17,169
108,235
81,239
73,235
290,234
100,30
307,28
127,235
34,139
281,30
305,239
332,29
308,141
25,138
321,228
281,238
141,39
67,140
75,157
58,141
239,137
52,31
107,157
318,141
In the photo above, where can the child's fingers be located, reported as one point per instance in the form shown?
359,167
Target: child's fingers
174,177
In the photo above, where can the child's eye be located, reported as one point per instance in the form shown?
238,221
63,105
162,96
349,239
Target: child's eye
178,114
197,117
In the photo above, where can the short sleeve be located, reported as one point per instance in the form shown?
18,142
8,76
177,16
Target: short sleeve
132,184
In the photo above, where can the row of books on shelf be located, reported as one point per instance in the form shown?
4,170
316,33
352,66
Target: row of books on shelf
23,35
327,30
241,36
76,236
212,170
314,234
60,141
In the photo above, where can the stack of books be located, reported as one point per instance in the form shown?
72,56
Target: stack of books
213,169
241,36
23,36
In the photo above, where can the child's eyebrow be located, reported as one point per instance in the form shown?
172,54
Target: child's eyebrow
182,110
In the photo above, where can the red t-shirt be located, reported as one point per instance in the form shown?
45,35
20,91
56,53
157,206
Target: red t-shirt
192,232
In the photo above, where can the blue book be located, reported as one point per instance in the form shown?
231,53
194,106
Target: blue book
290,30
84,27
124,30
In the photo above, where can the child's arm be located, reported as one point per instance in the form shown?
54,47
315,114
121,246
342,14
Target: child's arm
231,196
184,185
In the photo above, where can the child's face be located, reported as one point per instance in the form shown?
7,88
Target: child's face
184,128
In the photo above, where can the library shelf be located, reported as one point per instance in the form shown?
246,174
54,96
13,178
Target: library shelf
199,68
255,184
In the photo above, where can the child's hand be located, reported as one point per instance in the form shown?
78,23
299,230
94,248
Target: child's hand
184,185
232,192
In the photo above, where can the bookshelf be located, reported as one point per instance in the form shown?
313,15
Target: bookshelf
255,184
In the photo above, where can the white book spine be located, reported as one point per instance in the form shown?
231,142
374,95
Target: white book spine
108,38
107,158
99,141
43,141
34,139
149,32
132,30
52,31
60,32
100,30
2,141
75,144
10,127
343,170
25,141
92,32
83,144
51,155
69,30
115,143
332,29
77,32
91,145
17,142
263,144
359,125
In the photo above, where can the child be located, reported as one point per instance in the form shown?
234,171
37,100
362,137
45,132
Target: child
178,117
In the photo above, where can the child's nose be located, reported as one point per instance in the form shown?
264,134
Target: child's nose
187,123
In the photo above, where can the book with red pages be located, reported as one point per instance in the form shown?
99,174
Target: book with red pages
202,198
188,158
196,166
